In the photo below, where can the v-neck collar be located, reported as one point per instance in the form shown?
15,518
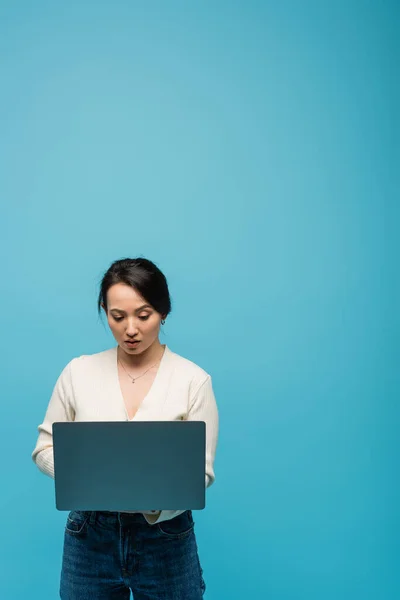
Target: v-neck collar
154,385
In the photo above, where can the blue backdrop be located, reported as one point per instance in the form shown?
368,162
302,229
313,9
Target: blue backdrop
249,149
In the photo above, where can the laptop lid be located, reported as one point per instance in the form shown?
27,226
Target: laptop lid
125,465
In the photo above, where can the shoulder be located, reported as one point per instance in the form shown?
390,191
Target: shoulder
188,370
98,357
88,362
186,365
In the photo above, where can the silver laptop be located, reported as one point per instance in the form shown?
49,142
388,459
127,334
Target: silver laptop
125,465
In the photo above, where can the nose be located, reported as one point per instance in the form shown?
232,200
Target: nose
131,329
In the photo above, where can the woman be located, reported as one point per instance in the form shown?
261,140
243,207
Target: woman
106,554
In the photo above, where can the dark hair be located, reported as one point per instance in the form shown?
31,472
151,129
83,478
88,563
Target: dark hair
143,276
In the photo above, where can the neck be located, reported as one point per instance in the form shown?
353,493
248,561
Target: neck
146,358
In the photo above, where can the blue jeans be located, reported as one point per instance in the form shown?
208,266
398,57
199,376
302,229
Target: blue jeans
107,555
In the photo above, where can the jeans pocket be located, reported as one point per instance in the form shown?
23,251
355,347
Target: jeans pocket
178,527
76,522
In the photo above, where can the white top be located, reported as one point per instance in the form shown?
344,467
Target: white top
88,389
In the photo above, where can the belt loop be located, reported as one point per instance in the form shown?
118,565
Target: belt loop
92,518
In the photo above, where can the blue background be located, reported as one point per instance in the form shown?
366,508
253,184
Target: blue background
249,149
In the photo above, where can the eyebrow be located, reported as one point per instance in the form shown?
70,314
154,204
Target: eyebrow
137,310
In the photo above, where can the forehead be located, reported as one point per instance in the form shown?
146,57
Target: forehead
121,295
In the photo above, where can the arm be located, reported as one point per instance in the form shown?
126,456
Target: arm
59,409
203,407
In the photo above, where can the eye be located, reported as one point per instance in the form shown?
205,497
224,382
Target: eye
144,318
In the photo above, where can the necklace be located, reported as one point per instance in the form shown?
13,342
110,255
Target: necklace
139,376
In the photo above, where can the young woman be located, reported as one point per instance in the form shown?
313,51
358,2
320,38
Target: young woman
107,554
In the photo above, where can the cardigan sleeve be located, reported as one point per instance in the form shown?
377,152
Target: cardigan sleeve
60,408
203,407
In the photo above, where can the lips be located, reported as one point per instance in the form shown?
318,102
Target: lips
132,341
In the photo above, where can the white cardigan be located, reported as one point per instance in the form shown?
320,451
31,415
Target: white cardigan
88,389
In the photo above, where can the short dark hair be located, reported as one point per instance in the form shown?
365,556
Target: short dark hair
144,277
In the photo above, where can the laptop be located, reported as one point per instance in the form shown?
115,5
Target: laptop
124,465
